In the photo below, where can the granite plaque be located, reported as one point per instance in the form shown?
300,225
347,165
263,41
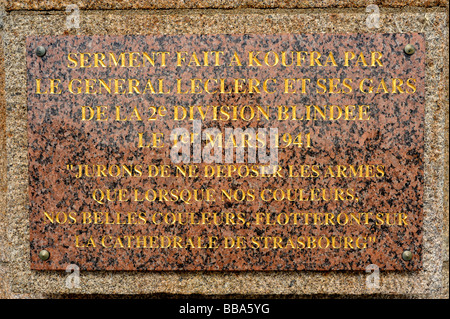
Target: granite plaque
226,152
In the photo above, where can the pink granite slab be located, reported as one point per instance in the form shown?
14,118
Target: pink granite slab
393,137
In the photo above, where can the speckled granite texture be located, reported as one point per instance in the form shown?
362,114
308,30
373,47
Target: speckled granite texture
212,4
427,282
391,140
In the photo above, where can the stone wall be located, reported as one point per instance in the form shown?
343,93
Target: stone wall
19,19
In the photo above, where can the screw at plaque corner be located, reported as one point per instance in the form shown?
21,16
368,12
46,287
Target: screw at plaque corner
44,255
410,49
407,255
40,51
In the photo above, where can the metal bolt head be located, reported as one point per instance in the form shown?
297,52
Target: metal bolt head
40,51
44,255
410,49
407,255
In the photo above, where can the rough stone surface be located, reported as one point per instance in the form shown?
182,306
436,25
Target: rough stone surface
445,97
212,4
3,179
430,282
